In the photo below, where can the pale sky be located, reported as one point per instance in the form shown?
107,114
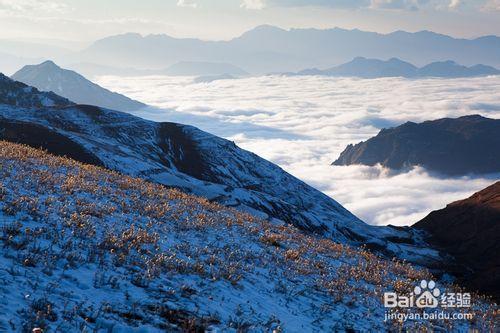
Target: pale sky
224,19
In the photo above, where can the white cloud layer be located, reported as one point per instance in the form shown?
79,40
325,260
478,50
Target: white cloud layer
356,4
396,4
455,4
253,4
187,3
21,6
492,5
303,123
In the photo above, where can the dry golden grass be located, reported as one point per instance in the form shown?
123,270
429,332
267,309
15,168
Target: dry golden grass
93,215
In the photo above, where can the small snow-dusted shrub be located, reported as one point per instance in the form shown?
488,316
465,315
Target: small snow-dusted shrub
271,239
2,190
39,314
11,230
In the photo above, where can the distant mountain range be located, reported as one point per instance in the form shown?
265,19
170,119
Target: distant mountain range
452,69
264,49
268,49
47,76
474,224
469,144
374,68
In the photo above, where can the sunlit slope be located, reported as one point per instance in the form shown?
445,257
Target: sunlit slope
86,247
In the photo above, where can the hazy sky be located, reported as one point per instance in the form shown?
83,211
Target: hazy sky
223,19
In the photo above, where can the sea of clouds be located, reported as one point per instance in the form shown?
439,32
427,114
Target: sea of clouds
303,123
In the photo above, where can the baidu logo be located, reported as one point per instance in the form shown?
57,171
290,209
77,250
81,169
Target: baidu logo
427,295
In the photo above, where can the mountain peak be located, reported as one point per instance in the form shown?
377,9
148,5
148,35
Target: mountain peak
267,27
372,68
48,63
127,35
358,58
48,76
473,117
394,59
263,29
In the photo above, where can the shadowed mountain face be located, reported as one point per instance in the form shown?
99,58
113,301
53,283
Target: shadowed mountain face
469,230
469,144
268,49
47,76
374,68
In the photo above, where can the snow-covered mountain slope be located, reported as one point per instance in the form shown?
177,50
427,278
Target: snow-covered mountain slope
47,76
86,249
21,95
197,162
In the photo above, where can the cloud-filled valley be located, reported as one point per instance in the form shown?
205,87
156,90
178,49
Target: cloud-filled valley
303,123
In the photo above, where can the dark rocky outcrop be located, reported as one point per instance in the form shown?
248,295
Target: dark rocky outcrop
469,144
37,136
469,230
